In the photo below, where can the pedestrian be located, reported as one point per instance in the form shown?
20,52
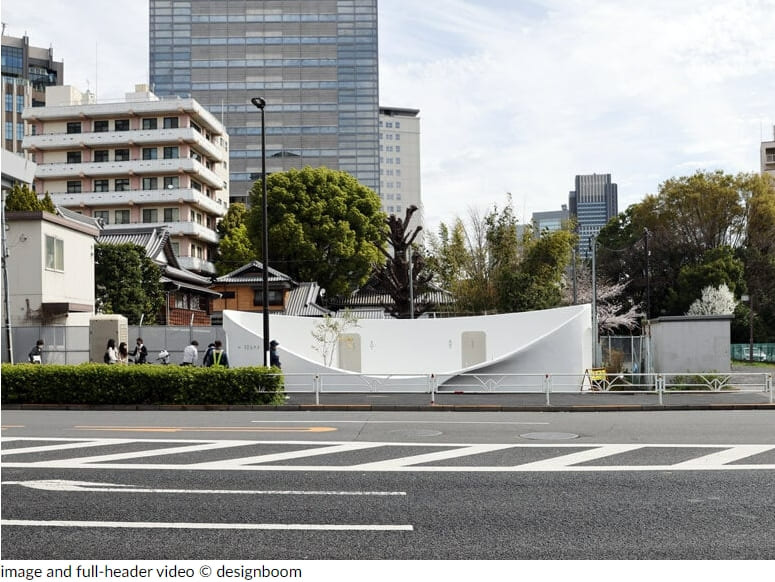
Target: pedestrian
140,353
111,354
207,360
190,354
36,353
123,353
218,357
274,358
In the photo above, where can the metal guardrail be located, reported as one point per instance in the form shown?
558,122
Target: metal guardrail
545,384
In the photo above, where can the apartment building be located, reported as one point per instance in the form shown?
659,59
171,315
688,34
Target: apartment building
768,155
314,62
145,161
399,162
27,71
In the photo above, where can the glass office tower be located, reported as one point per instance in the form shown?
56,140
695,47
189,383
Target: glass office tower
313,61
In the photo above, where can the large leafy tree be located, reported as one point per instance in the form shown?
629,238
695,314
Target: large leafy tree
128,283
21,198
673,243
324,226
234,247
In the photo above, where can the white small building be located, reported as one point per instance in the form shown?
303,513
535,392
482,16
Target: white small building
50,268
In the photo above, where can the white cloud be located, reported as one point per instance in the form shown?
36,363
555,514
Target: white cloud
517,96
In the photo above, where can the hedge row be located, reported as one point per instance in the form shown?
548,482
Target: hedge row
147,384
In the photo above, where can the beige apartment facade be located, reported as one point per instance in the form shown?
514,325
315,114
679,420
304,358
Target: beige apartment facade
768,155
142,161
399,167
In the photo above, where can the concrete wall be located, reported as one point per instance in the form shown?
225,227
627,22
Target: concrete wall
691,343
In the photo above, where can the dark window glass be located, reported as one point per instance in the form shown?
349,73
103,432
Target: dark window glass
122,155
100,155
171,153
170,122
100,126
121,184
101,185
73,127
122,125
73,186
149,153
150,123
73,157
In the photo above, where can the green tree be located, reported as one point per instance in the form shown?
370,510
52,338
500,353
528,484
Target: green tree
21,198
680,226
127,282
537,282
234,247
324,226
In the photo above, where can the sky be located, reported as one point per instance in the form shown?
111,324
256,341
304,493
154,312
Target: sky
515,96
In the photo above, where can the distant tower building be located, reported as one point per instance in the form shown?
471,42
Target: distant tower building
140,163
768,155
27,71
551,220
314,62
593,203
399,162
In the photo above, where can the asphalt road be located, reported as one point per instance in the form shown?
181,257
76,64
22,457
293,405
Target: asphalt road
400,486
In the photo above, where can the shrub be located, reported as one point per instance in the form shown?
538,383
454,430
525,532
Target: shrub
128,385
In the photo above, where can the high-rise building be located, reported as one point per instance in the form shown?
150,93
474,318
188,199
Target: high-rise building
144,162
399,162
314,62
27,71
593,203
768,155
551,220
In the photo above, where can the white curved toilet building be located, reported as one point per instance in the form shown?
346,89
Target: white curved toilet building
555,341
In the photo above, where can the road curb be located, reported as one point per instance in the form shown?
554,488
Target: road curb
391,408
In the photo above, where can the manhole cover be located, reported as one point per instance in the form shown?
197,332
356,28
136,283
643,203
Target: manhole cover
417,433
549,436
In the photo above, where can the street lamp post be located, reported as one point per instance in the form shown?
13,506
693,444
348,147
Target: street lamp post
260,103
593,248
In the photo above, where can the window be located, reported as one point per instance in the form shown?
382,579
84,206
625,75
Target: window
121,184
73,157
398,124
122,155
100,126
170,122
73,186
170,182
171,215
9,130
73,127
171,152
150,154
103,215
55,253
275,297
150,215
20,130
121,125
101,186
121,216
150,183
100,155
150,123
9,102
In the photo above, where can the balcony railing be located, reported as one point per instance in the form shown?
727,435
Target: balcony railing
168,197
63,170
136,137
186,229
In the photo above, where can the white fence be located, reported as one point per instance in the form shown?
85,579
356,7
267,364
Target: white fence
659,385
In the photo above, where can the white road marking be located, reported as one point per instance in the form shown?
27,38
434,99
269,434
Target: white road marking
329,421
196,525
78,486
578,453
63,447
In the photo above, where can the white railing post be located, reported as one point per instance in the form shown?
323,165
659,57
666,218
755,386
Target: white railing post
547,388
660,388
316,385
432,385
769,385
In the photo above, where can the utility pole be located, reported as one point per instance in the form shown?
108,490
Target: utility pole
6,296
